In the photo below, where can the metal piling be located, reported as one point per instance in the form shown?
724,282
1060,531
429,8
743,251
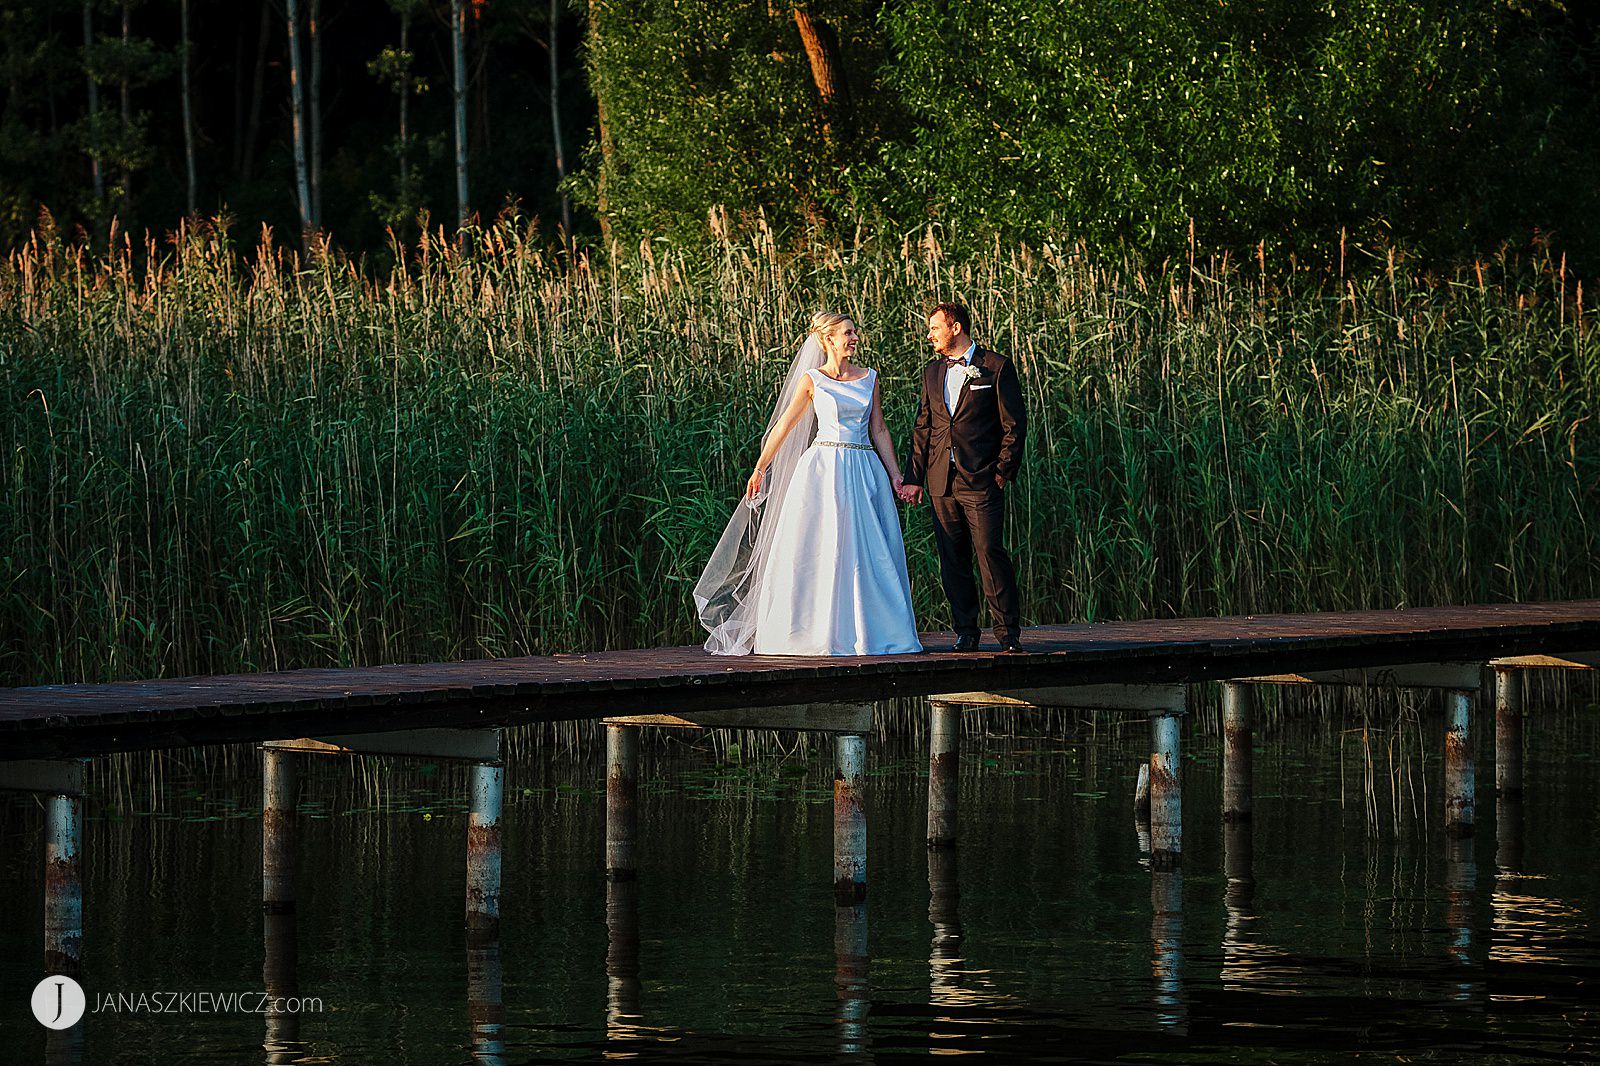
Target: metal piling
280,796
63,885
487,786
1508,732
850,819
1166,808
1459,778
1238,741
622,796
944,760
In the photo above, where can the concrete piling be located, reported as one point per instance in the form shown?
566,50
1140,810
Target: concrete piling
280,795
1508,732
944,757
622,796
850,819
1166,809
63,885
1458,764
487,785
1238,740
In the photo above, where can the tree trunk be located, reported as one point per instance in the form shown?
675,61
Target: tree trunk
253,134
94,105
297,114
238,93
127,105
458,47
827,67
607,145
50,80
188,112
314,116
480,78
405,104
555,124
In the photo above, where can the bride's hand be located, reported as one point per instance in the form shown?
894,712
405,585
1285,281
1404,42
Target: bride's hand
753,486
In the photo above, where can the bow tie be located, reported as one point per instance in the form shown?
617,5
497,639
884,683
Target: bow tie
953,361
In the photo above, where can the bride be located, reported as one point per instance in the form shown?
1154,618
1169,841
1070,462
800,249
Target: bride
813,562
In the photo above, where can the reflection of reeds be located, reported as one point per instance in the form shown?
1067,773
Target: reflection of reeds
217,462
1386,724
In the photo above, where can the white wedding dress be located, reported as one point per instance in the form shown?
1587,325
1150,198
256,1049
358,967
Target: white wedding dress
835,582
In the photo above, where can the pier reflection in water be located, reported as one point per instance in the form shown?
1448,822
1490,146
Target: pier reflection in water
279,974
851,964
1239,955
623,1012
1166,947
486,1010
1461,890
945,967
1305,929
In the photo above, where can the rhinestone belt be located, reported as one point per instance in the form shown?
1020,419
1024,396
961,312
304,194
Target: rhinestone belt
843,444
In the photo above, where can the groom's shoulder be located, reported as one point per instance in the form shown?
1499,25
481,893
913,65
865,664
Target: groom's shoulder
991,357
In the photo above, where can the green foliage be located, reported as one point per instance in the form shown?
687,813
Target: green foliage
394,68
1447,126
1271,119
712,106
217,463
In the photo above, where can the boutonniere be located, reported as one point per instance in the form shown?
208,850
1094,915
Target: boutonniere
969,371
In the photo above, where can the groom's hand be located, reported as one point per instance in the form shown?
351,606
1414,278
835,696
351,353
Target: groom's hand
999,482
910,494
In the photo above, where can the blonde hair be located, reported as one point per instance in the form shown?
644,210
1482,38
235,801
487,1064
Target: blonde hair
824,323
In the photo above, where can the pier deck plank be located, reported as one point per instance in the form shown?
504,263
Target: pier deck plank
65,720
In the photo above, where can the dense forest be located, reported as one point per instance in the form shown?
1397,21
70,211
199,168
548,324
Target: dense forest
1449,127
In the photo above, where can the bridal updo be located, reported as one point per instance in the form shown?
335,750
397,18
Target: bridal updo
823,323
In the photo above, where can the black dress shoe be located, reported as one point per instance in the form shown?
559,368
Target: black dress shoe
965,644
1011,646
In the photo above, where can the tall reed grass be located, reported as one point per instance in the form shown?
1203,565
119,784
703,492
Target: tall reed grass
219,461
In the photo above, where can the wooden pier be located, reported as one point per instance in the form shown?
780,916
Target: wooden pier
64,721
459,711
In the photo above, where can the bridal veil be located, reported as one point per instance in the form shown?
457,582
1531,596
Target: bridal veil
729,590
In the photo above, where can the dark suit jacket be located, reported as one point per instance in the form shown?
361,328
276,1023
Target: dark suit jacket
986,430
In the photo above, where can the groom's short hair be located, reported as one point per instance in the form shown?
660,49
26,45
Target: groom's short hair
955,313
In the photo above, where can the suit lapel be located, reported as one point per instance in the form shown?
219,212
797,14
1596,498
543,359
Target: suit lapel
934,383
961,397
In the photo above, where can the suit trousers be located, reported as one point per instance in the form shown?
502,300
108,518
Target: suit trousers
970,519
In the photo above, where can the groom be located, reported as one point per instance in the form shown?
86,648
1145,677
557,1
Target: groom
966,447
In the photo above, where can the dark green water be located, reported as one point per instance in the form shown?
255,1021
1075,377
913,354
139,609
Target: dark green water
1343,933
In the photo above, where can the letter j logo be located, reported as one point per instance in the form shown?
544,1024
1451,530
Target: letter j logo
58,1002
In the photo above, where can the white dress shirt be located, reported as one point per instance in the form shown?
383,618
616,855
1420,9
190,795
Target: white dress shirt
953,382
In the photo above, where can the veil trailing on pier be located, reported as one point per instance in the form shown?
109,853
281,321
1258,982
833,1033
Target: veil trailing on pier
729,589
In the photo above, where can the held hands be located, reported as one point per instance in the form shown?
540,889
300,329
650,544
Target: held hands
911,494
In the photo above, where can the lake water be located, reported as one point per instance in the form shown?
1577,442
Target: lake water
1347,928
